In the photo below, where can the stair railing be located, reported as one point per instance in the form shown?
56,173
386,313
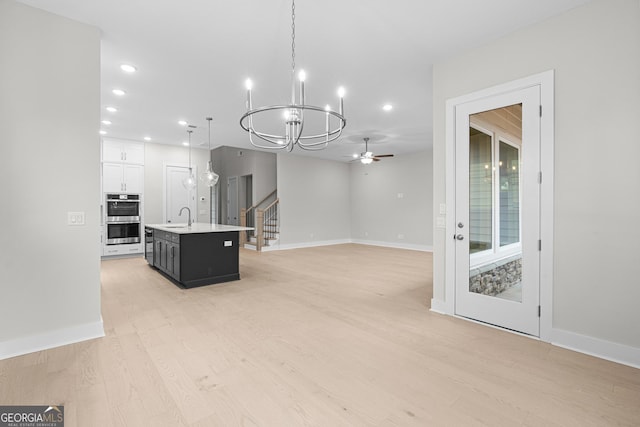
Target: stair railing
268,223
249,218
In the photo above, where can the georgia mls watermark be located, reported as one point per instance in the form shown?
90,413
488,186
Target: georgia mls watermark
32,416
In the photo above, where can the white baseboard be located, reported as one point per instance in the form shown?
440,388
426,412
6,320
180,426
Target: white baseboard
52,339
395,245
410,246
438,306
607,350
312,244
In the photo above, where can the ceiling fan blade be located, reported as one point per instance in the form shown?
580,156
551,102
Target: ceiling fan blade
382,155
375,160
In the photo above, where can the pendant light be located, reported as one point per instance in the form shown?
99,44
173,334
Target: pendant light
190,181
209,177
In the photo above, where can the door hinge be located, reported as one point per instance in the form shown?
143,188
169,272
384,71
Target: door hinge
539,245
540,177
541,111
539,311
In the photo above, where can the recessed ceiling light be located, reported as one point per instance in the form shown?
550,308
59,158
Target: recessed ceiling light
387,107
106,122
128,68
147,138
103,132
111,109
182,123
185,143
118,92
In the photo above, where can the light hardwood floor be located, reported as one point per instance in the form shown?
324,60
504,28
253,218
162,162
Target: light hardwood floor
329,336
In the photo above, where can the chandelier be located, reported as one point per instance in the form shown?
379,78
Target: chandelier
293,115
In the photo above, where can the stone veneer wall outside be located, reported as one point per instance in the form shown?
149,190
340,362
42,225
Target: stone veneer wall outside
496,277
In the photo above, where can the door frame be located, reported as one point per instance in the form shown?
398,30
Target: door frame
237,195
546,82
165,165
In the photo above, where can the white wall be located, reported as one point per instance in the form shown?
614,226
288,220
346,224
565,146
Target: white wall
156,156
314,201
594,50
49,165
391,201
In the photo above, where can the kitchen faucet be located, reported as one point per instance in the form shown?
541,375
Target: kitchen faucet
189,211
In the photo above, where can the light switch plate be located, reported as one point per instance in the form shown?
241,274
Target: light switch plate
75,218
443,209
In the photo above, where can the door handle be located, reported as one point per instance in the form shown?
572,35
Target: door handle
459,237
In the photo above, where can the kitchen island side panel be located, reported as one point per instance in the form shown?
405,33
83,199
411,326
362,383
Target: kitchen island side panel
208,258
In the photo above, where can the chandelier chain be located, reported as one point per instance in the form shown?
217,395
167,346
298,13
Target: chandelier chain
293,36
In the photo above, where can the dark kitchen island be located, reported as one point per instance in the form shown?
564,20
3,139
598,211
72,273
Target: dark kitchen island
196,255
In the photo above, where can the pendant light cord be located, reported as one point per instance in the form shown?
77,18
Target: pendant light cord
209,120
190,132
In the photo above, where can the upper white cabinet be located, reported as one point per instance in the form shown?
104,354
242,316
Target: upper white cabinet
122,152
122,166
122,178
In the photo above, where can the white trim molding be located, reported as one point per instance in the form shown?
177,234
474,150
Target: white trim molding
52,339
438,306
547,139
596,347
408,246
395,245
303,245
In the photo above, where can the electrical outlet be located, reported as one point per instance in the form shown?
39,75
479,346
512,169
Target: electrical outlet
400,195
440,222
400,236
443,209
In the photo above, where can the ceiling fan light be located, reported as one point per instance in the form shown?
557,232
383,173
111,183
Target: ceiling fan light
366,160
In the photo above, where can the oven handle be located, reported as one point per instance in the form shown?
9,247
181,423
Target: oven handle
131,220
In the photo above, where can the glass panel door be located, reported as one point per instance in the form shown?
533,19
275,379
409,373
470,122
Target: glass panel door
497,277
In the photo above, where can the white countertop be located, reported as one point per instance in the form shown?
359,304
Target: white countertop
197,227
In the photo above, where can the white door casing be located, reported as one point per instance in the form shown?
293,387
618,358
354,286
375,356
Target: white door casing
232,201
176,196
545,80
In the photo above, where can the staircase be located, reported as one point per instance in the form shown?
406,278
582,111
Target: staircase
266,223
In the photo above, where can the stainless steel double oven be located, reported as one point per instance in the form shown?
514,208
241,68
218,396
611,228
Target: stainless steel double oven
122,219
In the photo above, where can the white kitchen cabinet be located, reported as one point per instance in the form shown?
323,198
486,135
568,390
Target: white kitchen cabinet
121,151
122,178
109,250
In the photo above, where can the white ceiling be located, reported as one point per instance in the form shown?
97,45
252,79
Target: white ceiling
193,57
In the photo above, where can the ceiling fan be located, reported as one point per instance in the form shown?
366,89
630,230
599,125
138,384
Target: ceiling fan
367,157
